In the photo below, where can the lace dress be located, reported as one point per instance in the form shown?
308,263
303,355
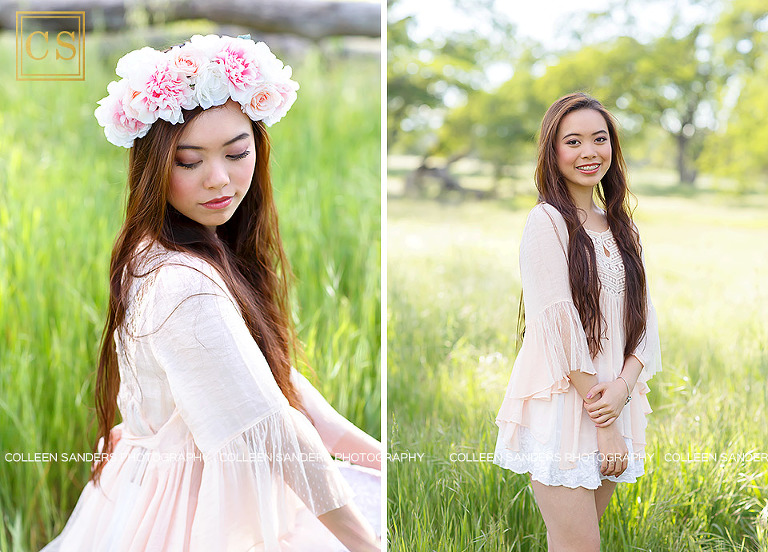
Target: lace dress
212,456
544,429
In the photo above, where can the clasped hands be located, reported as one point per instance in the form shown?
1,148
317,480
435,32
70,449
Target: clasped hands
612,397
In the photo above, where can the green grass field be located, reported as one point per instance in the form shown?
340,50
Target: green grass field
62,188
453,288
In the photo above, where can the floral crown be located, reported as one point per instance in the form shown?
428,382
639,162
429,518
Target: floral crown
206,71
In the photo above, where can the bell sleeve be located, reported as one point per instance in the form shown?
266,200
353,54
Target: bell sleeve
648,351
554,344
252,441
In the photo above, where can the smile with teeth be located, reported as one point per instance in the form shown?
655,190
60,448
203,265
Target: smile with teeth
589,169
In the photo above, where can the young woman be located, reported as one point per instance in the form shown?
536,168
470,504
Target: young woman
223,445
591,339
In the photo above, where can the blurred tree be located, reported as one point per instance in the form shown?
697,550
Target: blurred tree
739,147
426,78
700,77
674,85
498,126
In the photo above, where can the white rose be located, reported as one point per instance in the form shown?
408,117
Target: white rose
209,45
211,86
269,65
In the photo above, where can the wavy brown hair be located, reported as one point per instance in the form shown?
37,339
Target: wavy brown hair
613,193
246,251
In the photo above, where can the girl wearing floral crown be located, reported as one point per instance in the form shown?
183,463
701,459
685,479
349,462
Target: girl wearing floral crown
591,340
223,445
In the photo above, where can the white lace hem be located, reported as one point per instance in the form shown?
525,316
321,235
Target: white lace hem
542,463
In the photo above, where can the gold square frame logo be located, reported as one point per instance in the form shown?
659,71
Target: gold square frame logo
64,45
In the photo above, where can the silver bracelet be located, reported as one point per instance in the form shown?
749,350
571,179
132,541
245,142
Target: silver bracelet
629,396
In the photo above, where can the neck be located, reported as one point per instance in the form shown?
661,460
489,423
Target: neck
582,197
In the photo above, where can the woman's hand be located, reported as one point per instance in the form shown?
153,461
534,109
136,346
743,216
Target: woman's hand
607,408
613,450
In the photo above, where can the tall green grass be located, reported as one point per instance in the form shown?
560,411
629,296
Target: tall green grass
453,291
62,190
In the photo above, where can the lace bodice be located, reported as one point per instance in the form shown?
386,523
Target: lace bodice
610,267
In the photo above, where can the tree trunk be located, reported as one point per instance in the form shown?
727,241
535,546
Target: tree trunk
307,18
687,176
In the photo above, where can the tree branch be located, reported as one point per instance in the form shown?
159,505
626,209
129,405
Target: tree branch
310,19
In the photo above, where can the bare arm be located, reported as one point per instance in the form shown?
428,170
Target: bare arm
614,394
341,437
351,528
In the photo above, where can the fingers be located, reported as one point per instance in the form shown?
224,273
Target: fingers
607,422
599,388
595,406
614,464
603,416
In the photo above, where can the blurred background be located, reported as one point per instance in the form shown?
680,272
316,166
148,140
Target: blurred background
468,83
63,192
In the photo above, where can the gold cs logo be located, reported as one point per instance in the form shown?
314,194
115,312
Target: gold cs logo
70,44
50,55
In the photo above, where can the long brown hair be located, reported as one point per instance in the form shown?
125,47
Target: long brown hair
246,251
613,193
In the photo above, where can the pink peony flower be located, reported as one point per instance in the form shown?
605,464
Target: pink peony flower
119,128
241,69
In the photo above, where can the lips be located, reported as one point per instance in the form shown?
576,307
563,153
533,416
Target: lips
590,168
218,203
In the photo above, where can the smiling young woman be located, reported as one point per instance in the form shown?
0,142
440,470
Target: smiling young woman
590,340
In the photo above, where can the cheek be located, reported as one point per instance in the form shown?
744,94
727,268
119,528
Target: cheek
565,156
244,173
178,187
607,153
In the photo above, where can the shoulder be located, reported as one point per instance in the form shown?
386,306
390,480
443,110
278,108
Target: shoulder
545,220
175,275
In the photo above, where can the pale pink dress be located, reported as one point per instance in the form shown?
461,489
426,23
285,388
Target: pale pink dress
212,456
544,429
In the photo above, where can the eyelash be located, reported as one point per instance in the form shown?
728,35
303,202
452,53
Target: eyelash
237,157
603,139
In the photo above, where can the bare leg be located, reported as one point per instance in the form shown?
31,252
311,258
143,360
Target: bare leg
570,516
603,496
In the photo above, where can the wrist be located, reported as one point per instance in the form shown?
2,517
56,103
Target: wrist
608,429
628,395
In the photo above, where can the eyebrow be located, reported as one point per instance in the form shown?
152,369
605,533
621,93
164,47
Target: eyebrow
232,141
577,134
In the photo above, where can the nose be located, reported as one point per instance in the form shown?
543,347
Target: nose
588,151
218,177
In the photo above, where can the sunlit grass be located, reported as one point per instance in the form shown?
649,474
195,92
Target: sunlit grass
62,188
453,291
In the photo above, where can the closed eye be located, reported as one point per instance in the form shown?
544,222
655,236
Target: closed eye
243,155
